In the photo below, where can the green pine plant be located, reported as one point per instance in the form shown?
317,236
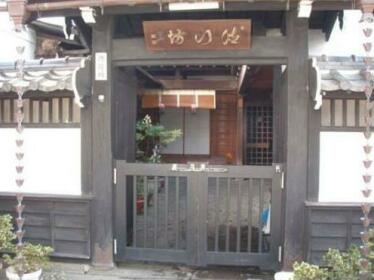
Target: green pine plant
151,137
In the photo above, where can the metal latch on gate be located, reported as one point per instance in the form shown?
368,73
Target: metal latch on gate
115,246
279,170
114,176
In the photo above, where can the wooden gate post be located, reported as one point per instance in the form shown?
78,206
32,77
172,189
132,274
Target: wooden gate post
102,164
297,100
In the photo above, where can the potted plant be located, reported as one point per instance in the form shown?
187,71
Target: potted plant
6,236
151,137
33,257
28,262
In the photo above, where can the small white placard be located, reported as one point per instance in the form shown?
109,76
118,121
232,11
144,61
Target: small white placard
101,66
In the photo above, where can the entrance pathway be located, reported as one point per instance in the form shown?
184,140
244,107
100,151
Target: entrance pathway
142,271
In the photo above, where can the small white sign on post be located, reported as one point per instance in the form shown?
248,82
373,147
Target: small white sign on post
101,66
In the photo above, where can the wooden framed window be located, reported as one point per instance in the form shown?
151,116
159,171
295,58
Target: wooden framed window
259,146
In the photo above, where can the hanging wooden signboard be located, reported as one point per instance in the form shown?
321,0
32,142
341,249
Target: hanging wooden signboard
190,35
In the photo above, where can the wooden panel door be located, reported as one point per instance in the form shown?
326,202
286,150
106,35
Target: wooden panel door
224,128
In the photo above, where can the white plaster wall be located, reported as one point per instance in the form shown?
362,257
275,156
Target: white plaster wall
345,42
341,167
52,161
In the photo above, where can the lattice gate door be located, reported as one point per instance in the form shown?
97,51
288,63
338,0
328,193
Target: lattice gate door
197,215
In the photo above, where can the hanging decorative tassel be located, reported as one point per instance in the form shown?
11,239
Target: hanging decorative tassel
365,271
19,116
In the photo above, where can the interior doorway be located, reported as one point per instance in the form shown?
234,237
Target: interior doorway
213,196
224,113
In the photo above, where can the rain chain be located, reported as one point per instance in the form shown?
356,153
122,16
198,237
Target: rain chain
20,220
366,24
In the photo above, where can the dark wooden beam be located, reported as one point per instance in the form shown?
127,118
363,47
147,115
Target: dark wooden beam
264,50
322,5
296,121
149,75
279,106
102,159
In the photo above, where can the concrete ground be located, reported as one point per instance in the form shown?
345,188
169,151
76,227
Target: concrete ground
142,271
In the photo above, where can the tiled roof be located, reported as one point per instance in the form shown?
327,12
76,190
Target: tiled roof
44,75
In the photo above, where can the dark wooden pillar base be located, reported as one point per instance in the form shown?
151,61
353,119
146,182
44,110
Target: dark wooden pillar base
296,138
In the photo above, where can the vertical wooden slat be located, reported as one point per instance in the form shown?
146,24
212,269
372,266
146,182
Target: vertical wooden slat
14,110
344,113
261,199
56,110
7,110
227,215
45,111
216,238
35,111
332,110
145,212
76,113
177,213
65,110
338,112
326,113
60,114
26,110
156,210
1,110
350,104
134,227
166,210
50,110
250,215
357,112
238,216
362,105
71,108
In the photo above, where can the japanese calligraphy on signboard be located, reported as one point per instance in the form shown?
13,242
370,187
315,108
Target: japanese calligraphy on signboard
182,35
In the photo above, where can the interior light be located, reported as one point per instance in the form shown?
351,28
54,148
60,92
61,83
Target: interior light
188,6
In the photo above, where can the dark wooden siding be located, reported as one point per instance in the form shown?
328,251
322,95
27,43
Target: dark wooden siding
60,222
331,225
